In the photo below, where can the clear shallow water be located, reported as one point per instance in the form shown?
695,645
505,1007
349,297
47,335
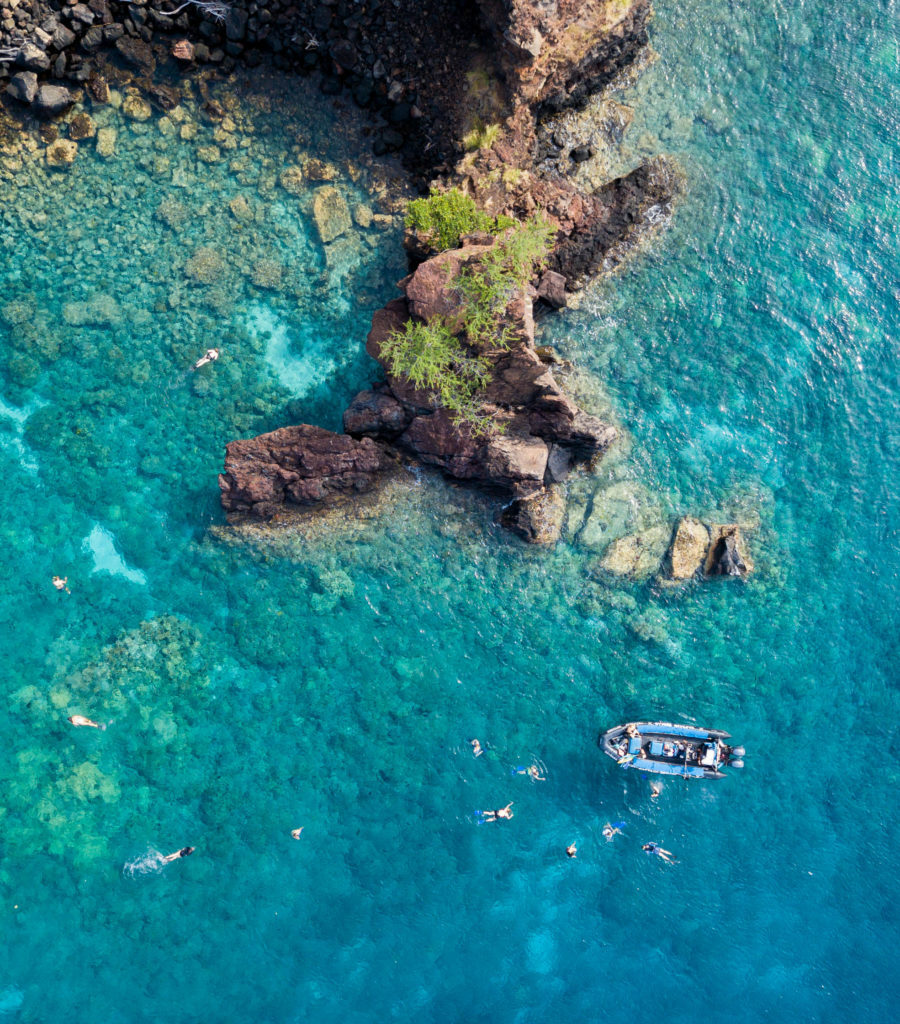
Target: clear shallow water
251,687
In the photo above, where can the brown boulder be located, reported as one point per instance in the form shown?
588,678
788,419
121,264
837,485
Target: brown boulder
689,547
537,518
429,291
297,465
375,414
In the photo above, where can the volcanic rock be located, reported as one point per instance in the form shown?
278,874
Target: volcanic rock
537,518
23,86
300,466
727,552
52,99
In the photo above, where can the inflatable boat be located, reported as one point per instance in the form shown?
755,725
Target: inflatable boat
670,749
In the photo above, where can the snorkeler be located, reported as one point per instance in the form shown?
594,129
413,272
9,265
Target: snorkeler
295,832
571,850
210,356
60,583
610,830
655,790
655,848
186,852
504,812
79,720
532,771
477,748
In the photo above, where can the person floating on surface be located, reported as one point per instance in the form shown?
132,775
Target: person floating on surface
60,583
477,748
295,833
655,790
571,850
656,849
610,830
79,720
185,852
532,771
210,356
504,812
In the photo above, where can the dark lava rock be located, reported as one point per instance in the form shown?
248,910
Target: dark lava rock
297,465
23,86
581,153
725,557
32,58
236,24
52,99
63,37
137,54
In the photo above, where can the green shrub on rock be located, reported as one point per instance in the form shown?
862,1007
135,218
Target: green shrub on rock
456,371
443,217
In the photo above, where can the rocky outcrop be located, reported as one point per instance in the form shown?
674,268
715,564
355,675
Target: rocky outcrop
536,432
687,555
702,550
300,465
728,554
537,518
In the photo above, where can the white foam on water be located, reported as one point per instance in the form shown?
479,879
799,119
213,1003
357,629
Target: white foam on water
299,357
151,863
102,546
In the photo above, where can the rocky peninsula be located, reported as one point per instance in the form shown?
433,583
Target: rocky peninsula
540,61
459,91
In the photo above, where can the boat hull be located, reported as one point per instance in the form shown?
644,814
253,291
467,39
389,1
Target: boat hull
668,748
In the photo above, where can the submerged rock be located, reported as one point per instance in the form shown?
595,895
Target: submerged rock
61,153
637,555
689,547
330,213
106,142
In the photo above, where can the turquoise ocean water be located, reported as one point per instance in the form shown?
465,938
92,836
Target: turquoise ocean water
255,685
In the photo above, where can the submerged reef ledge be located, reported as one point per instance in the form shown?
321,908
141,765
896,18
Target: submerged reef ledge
545,57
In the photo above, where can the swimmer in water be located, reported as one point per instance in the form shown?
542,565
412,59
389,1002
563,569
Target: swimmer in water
295,833
60,583
655,790
504,812
610,830
533,773
186,852
210,356
79,720
477,748
657,850
571,850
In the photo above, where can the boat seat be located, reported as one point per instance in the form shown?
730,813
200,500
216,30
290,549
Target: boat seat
656,748
634,745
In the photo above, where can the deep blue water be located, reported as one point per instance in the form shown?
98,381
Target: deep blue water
253,684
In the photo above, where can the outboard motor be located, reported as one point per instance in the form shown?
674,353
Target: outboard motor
738,751
736,764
